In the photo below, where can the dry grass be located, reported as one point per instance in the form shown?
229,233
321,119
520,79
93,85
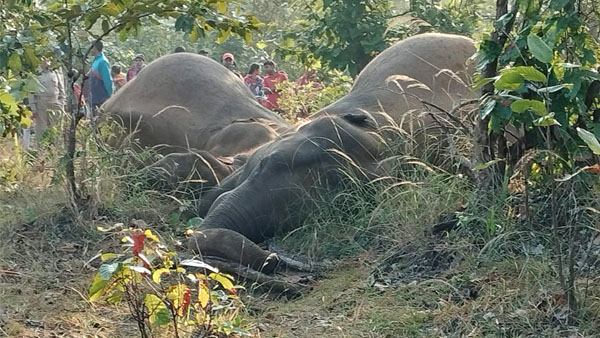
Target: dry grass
491,277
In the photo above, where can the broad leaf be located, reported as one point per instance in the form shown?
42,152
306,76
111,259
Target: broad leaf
107,270
558,4
14,62
487,109
198,264
203,294
97,287
483,82
108,256
554,89
539,49
529,73
546,121
159,314
522,105
509,81
156,275
590,139
224,280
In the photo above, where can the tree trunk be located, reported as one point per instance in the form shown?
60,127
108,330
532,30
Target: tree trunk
483,150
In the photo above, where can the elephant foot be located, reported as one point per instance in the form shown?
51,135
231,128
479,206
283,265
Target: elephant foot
234,247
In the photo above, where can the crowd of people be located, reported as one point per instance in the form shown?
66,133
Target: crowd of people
102,81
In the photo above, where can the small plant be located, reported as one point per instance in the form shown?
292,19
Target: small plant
301,101
162,295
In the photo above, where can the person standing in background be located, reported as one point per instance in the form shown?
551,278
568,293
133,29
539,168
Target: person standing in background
49,102
100,86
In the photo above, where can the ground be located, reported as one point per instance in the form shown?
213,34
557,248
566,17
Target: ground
421,286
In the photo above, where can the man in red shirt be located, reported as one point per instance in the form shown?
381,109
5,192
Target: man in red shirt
272,78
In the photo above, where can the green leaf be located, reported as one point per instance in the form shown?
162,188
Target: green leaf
590,140
159,314
483,82
111,9
487,109
546,121
528,72
194,34
14,62
510,80
97,287
106,270
487,164
105,25
8,102
247,37
522,105
32,60
558,4
539,49
223,35
115,297
554,89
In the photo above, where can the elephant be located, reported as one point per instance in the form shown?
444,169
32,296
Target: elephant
197,113
273,190
187,101
409,81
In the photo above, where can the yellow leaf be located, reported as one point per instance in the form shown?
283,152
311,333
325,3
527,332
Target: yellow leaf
149,234
222,6
203,294
111,9
156,275
25,122
107,256
223,35
247,37
8,101
223,280
261,45
194,34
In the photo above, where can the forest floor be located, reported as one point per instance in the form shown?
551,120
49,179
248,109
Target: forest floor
48,260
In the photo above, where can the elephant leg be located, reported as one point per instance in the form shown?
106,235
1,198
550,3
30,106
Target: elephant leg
233,246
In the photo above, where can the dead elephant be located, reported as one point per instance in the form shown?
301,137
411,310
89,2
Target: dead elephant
272,191
190,105
184,101
409,81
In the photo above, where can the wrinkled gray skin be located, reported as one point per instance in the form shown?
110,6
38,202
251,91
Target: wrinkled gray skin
272,191
184,101
196,170
197,110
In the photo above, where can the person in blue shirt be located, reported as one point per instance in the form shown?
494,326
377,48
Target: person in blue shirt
100,86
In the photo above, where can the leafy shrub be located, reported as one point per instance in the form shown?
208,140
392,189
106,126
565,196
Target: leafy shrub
161,293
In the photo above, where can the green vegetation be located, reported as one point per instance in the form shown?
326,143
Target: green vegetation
421,253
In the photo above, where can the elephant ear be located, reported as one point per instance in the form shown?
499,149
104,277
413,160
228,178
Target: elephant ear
360,119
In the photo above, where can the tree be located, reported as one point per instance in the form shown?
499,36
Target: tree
537,77
342,34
